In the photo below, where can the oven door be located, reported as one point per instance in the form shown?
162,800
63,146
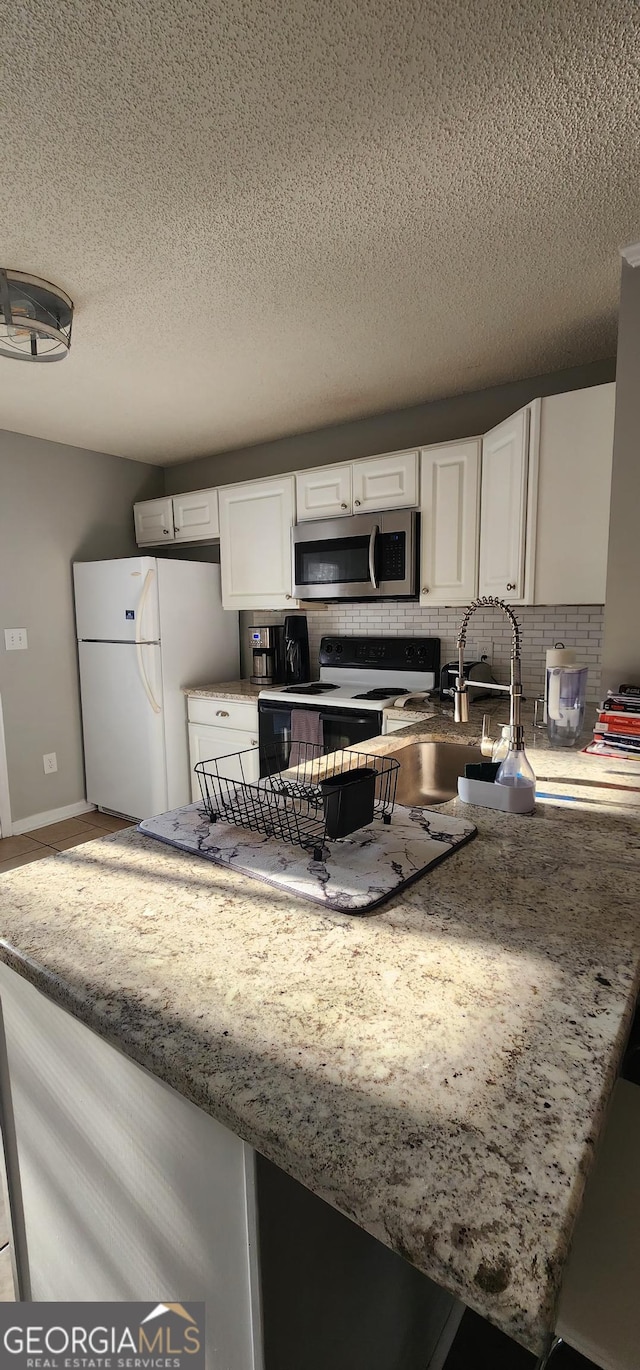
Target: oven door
340,728
366,557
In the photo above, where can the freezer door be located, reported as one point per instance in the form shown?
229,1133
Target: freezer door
123,727
117,601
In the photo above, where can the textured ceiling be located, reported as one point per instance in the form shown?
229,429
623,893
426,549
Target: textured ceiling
278,214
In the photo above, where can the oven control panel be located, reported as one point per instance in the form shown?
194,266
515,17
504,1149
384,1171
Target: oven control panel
385,653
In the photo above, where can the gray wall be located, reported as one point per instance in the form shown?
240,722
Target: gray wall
57,503
621,642
461,416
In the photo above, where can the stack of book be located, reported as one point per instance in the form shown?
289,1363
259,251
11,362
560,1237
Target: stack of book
617,729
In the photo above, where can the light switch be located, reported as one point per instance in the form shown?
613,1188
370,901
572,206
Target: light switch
15,639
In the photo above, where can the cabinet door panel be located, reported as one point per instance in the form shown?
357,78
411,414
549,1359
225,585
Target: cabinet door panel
195,515
209,744
153,521
389,482
449,523
503,508
574,496
128,1191
255,544
325,493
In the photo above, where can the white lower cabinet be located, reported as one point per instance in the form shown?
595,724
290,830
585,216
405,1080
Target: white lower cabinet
122,1189
256,519
209,744
449,506
222,727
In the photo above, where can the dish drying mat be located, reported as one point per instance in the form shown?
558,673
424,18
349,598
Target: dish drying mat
357,873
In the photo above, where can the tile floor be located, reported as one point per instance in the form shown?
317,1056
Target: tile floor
32,846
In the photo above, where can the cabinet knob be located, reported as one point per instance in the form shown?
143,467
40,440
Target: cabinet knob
166,532
254,741
357,503
222,713
343,506
425,589
511,587
288,596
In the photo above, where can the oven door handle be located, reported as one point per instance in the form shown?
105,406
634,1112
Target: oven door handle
372,555
344,718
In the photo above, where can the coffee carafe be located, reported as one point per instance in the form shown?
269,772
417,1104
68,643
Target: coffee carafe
296,649
266,654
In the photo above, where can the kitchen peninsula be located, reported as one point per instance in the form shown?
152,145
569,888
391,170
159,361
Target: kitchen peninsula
439,1072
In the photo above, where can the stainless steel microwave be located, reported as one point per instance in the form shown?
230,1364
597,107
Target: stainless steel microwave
371,556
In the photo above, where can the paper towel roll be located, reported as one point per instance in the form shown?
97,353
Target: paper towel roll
560,656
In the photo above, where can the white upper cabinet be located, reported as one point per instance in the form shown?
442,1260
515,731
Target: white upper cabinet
449,508
361,487
255,543
153,521
389,482
574,494
508,508
323,493
195,516
192,517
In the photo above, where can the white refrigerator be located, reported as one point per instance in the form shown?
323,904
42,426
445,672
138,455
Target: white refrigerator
146,627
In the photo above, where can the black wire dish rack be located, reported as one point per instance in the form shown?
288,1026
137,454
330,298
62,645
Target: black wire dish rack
316,798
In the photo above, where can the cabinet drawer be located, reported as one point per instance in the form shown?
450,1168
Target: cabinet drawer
223,713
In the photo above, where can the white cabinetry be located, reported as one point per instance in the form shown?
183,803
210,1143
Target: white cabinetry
126,1190
192,517
324,492
195,516
153,522
363,487
219,727
255,543
508,505
449,501
389,482
574,493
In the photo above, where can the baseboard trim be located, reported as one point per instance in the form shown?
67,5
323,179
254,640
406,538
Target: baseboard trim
43,820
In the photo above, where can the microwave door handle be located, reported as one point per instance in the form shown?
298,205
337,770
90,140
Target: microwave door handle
372,555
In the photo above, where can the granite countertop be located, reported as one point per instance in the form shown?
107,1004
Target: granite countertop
439,1071
237,690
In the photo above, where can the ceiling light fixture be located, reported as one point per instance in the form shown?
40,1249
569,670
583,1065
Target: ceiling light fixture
35,318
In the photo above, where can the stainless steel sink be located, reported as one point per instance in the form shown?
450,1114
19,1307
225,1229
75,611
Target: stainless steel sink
429,771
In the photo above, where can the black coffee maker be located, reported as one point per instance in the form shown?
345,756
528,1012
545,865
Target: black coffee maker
296,649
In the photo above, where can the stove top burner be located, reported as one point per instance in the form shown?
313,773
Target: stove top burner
383,692
315,688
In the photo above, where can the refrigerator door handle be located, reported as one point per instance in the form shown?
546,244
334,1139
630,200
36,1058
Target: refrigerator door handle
141,668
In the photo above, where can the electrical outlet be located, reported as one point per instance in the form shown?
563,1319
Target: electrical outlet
485,649
15,639
50,763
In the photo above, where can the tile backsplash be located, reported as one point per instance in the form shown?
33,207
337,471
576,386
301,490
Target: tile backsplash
577,625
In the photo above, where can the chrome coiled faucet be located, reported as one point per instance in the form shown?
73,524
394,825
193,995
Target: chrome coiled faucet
461,690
